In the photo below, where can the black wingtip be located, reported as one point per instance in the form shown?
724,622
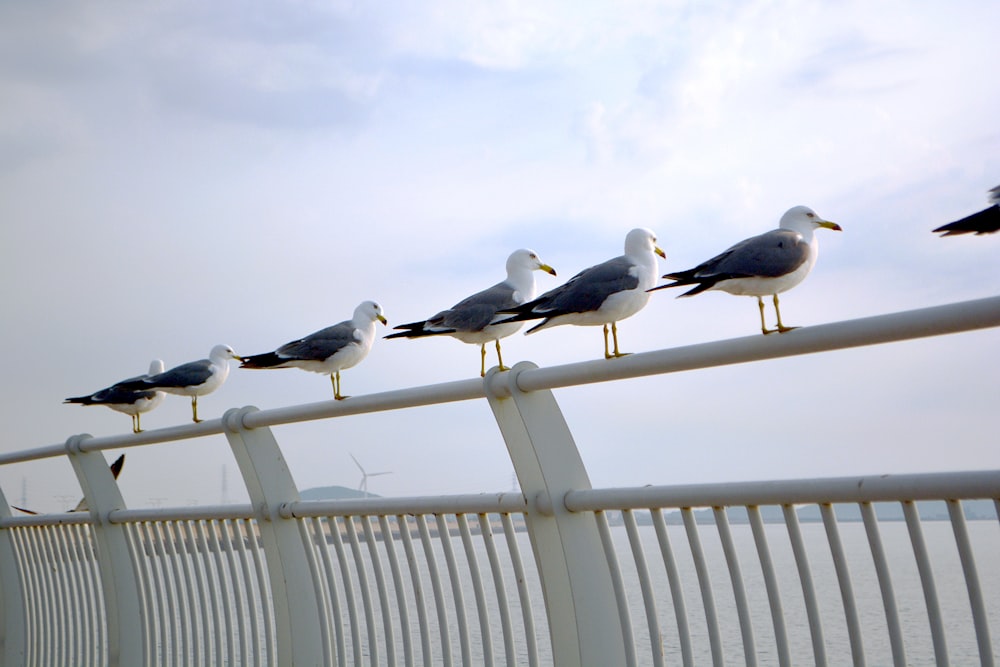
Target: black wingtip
986,221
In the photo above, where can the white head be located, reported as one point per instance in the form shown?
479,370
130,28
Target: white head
804,220
642,241
156,366
369,311
525,259
222,353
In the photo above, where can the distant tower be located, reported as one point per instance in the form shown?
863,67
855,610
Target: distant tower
24,492
225,487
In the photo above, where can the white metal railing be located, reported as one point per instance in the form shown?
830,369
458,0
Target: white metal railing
770,573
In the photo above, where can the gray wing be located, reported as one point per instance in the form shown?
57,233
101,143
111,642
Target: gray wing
476,312
588,290
321,345
186,375
768,255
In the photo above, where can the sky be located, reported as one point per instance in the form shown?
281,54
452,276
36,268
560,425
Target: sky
178,175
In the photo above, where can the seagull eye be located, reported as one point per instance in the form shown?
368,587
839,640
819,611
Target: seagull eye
811,215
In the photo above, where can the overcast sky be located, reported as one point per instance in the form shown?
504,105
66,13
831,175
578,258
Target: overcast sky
177,175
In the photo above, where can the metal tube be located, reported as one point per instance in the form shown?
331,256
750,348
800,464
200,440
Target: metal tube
885,584
461,618
475,575
418,591
736,577
771,585
645,587
676,592
979,617
524,595
389,542
805,578
705,584
320,527
499,585
912,517
844,579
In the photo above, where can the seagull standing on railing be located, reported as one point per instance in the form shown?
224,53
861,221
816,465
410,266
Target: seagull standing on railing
986,221
129,401
768,264
601,295
474,320
194,379
329,350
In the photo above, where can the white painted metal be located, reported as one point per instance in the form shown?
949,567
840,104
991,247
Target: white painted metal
885,584
806,578
119,587
585,630
257,584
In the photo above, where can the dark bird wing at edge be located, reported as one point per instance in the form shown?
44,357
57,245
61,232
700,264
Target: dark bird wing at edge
769,255
116,469
186,375
585,292
318,346
986,221
471,314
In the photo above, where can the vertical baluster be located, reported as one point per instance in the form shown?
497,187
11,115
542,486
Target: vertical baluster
739,591
524,595
213,613
705,583
885,584
364,588
203,629
806,581
439,602
245,529
617,586
160,639
771,585
500,587
418,591
645,587
177,604
217,536
383,595
478,591
389,542
192,620
979,617
844,580
309,540
230,536
912,517
320,528
461,618
90,607
348,588
676,591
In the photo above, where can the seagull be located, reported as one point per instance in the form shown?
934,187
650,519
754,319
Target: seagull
329,350
194,379
81,506
601,295
474,319
770,263
129,401
986,221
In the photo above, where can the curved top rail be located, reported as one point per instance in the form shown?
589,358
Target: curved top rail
893,327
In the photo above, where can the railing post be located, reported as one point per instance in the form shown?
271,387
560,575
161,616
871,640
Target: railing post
12,611
270,485
579,594
122,606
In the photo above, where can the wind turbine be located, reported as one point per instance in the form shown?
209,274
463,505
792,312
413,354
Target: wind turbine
363,486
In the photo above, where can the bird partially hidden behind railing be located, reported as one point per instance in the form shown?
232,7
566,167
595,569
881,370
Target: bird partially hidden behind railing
81,506
986,221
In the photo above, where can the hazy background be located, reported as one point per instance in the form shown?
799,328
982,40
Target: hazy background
177,175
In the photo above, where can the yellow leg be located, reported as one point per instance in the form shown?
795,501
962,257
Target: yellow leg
136,428
335,380
607,352
781,327
614,335
482,360
194,409
763,326
500,358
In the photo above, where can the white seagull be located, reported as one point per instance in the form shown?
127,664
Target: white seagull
474,320
194,379
986,221
601,295
129,401
328,350
771,263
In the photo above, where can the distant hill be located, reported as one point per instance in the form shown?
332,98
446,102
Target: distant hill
334,493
